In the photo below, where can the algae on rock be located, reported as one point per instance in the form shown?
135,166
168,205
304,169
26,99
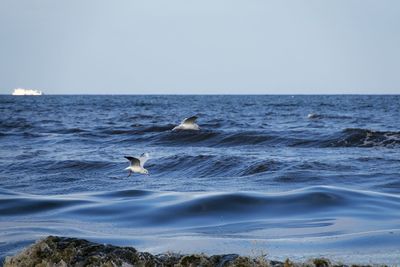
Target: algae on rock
56,251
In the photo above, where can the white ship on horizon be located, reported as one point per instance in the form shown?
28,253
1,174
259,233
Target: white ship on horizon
22,91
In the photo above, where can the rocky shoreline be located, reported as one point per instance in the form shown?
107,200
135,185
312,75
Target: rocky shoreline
63,251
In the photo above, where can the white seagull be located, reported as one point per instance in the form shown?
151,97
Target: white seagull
137,164
188,124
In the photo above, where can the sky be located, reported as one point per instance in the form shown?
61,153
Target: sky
200,46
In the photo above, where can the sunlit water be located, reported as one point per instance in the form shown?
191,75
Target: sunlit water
259,177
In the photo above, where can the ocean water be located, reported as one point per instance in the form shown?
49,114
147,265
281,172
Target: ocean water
260,177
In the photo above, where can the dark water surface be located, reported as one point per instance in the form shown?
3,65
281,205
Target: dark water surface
259,177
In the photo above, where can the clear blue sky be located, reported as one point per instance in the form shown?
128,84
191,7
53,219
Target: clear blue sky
200,46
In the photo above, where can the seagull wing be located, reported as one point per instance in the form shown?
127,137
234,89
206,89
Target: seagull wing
133,161
190,120
143,158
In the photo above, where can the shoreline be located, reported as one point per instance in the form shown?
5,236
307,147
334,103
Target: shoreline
66,251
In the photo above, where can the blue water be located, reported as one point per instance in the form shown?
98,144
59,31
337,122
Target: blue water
259,177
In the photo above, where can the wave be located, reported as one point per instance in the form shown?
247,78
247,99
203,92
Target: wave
15,124
328,116
68,131
217,138
152,209
350,137
139,129
123,194
50,121
260,167
77,165
184,137
356,137
162,135
239,206
205,165
179,166
17,206
198,166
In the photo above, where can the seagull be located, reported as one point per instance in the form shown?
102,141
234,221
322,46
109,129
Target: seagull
137,164
188,124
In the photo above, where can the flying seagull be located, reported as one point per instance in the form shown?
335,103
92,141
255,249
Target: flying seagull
188,124
137,164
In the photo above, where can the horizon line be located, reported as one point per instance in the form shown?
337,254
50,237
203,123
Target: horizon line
207,94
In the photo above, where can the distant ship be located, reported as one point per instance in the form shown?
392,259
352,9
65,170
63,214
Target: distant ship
22,91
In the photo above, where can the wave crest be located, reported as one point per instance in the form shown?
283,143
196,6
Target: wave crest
356,137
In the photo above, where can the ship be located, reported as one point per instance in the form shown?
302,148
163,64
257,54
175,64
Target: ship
22,91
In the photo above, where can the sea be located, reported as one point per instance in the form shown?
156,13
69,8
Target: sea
296,176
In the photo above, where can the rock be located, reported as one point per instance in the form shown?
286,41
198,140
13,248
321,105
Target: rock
56,251
62,251
321,262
